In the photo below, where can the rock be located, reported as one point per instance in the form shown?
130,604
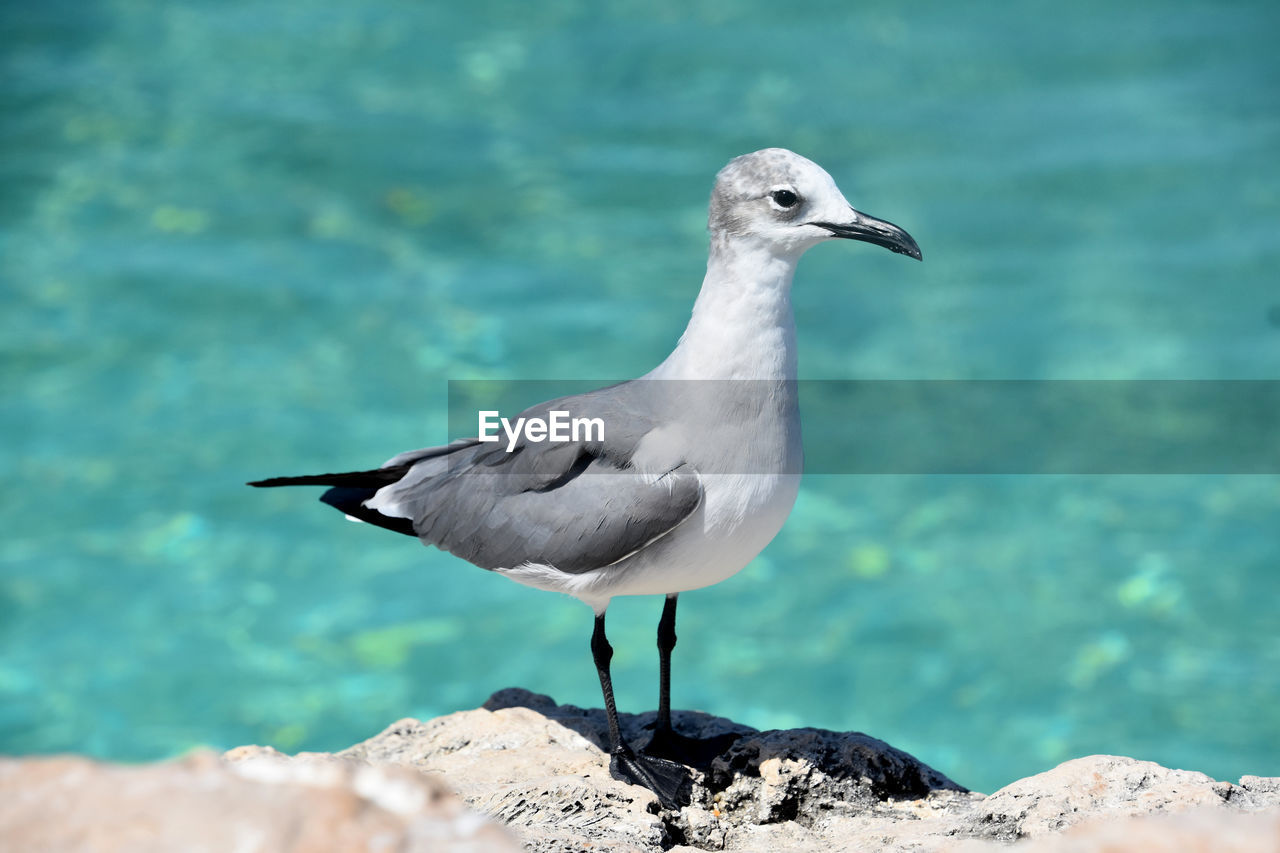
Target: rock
1262,789
542,769
779,775
1107,786
1197,831
257,801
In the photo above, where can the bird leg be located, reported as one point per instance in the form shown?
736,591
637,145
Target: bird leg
666,741
668,780
666,642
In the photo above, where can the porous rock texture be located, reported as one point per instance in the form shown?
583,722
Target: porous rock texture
542,769
1081,790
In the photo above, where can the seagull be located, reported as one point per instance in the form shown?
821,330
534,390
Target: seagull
694,472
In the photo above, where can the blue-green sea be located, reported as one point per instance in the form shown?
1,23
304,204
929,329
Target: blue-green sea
245,238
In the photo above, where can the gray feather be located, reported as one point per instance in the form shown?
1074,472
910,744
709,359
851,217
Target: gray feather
576,506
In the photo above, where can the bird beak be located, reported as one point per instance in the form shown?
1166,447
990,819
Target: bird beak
871,230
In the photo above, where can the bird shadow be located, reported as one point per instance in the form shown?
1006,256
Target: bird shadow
880,769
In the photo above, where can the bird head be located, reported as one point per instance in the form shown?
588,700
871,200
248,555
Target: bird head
779,198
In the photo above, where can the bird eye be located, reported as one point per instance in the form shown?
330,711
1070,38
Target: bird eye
784,198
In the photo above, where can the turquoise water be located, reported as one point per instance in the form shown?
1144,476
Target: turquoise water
250,238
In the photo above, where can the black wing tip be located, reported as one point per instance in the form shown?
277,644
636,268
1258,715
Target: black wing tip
272,482
376,479
350,501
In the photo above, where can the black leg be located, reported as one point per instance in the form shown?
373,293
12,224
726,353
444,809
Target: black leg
666,642
602,654
666,741
668,780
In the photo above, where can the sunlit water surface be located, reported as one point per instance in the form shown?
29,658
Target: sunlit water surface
249,238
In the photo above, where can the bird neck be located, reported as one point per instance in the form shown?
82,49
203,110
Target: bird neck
742,325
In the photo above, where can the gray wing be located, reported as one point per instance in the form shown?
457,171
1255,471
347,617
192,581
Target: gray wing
576,506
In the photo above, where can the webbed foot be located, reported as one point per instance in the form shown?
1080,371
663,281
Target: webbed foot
670,781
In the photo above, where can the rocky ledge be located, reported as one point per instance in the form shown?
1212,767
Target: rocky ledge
541,769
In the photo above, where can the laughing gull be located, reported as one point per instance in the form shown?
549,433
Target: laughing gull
689,481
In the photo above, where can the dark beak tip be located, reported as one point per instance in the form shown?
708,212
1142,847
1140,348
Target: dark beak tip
878,232
907,247
902,243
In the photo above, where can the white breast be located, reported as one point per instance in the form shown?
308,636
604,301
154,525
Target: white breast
732,416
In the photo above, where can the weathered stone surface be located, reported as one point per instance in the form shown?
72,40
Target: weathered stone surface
258,802
1106,786
542,769
1198,831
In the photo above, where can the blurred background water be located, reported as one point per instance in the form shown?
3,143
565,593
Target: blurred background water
245,238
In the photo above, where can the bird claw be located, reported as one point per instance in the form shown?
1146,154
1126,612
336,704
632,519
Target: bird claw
670,781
